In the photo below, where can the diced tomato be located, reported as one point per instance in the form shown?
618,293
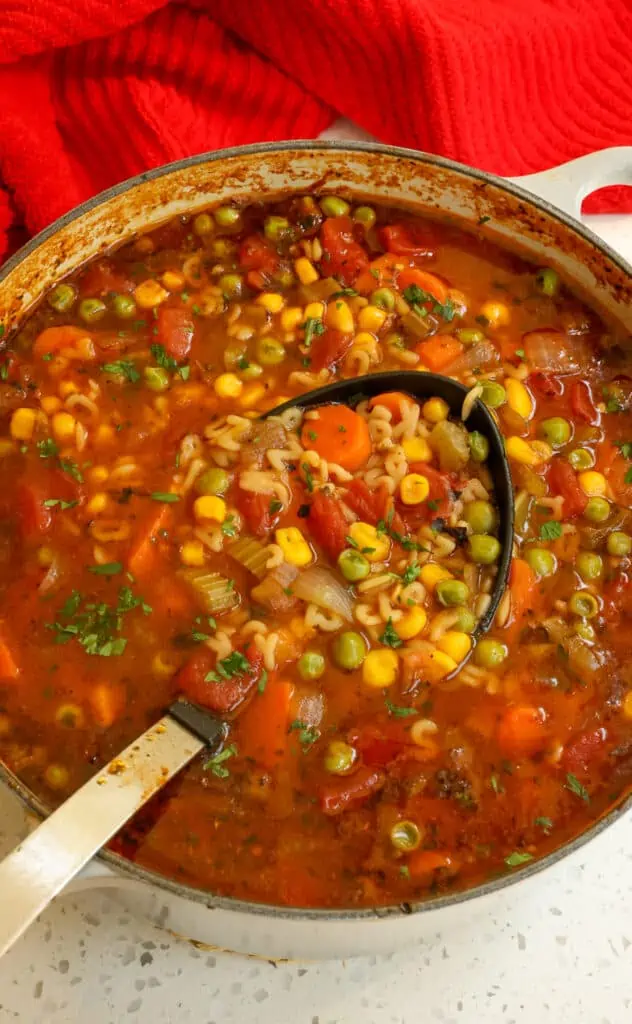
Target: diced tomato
379,743
101,278
617,597
562,480
371,506
582,402
439,500
347,793
426,865
327,524
617,473
522,731
408,239
329,349
256,253
8,666
545,385
220,695
55,339
255,508
342,256
175,331
35,518
584,749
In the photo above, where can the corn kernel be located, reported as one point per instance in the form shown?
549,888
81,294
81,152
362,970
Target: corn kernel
435,410
105,434
98,474
45,557
365,342
305,271
314,311
627,705
411,623
339,317
417,449
149,294
295,548
521,451
543,450
373,545
422,729
496,314
173,280
192,553
371,318
291,318
456,645
431,574
414,489
439,666
50,404
208,506
98,503
251,395
7,447
380,668
64,425
592,483
271,301
518,398
163,665
228,385
23,424
67,388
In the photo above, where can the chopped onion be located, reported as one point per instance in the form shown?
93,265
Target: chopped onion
308,706
319,586
553,352
50,578
481,355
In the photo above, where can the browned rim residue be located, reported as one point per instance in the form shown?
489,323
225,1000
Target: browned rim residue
499,210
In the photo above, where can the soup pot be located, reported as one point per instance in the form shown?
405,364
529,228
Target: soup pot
504,211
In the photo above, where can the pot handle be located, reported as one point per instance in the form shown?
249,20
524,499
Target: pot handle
568,185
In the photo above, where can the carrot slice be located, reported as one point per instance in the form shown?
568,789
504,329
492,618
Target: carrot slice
522,731
424,864
522,585
391,400
144,553
8,665
52,339
263,730
339,435
382,271
107,702
427,282
439,352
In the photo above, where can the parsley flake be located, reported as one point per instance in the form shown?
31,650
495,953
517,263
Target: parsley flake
517,858
574,786
389,637
551,530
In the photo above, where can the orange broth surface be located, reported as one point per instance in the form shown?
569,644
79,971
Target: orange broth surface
101,627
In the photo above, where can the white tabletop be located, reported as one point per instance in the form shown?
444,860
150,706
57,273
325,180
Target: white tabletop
555,951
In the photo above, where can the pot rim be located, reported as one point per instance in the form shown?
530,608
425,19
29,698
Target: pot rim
122,865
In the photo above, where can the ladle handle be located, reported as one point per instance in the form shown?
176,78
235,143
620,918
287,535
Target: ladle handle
42,864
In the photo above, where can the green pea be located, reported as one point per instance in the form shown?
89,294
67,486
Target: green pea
57,776
311,665
589,565
365,215
275,228
489,653
156,378
232,285
221,248
466,621
542,562
349,650
249,371
452,592
339,758
226,216
405,836
619,544
384,298
580,459
470,336
124,306
479,446
334,206
597,510
203,224
394,340
480,515
584,604
353,565
91,310
548,281
484,550
212,481
270,352
556,431
494,395
62,298
584,630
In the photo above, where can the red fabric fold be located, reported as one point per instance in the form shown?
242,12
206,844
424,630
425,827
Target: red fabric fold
94,91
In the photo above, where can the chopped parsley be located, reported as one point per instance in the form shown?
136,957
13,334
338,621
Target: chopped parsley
404,871
72,469
234,664
313,327
107,569
344,293
520,352
496,785
307,735
217,762
309,476
167,496
574,786
397,711
419,300
242,363
483,220
612,399
545,823
47,449
4,371
312,435
122,368
628,477
263,679
389,637
97,627
228,527
275,506
625,447
517,858
168,363
551,530
53,502
433,504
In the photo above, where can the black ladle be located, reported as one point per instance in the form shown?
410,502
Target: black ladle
43,863
421,386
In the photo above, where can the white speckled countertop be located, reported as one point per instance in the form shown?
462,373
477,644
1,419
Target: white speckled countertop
557,950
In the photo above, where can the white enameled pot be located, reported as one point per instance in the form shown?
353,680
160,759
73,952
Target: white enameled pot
543,228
